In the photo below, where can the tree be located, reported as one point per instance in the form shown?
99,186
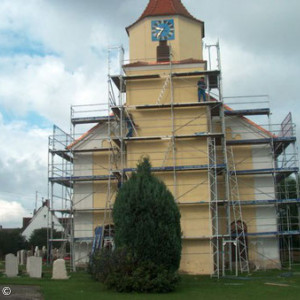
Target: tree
11,241
287,189
147,237
39,238
147,219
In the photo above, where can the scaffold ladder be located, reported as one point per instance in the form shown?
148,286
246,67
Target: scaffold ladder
237,214
213,205
162,92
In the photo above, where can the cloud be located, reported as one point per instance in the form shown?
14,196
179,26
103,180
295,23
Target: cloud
11,213
44,85
23,161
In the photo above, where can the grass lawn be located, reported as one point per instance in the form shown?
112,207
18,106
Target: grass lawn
81,286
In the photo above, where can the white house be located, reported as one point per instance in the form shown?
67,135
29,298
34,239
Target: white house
42,219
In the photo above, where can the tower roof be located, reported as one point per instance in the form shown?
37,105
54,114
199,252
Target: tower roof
165,8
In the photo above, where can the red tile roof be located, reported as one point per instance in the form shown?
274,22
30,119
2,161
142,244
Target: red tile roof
86,134
165,8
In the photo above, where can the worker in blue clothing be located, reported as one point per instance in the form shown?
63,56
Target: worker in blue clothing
201,90
130,123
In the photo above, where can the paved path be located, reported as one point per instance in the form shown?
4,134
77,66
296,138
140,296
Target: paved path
20,292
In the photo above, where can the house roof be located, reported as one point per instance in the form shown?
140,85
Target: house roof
82,137
252,123
165,8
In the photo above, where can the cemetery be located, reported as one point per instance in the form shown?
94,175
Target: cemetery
26,274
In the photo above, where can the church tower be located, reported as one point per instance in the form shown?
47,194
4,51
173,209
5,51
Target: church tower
166,121
166,24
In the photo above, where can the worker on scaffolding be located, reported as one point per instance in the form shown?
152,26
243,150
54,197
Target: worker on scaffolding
201,89
130,125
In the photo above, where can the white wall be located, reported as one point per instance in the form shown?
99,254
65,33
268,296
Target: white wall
42,219
83,225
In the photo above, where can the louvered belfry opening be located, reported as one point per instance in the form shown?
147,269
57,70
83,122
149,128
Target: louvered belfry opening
163,52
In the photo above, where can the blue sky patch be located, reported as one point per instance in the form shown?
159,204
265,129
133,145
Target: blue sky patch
31,118
19,43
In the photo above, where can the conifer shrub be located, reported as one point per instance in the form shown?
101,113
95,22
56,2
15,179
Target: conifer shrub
147,237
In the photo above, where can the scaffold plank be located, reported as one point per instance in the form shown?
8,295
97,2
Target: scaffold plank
267,171
65,154
273,233
168,137
179,105
248,112
276,140
93,150
70,179
269,202
90,120
180,168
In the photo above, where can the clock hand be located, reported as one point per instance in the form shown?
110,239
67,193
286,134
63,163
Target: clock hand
161,31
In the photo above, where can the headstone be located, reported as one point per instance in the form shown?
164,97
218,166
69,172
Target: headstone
19,257
35,266
36,250
59,269
11,265
28,263
44,251
23,255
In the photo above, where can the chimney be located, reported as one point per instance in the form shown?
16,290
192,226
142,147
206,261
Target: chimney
46,203
163,52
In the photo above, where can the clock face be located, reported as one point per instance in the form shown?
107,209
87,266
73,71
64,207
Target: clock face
162,30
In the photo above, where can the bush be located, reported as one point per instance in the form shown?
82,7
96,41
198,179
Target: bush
119,271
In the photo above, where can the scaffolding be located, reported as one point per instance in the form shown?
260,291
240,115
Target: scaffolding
218,132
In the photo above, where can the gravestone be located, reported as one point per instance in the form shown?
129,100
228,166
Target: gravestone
36,250
23,255
11,265
29,253
59,269
39,253
44,251
19,256
35,266
28,263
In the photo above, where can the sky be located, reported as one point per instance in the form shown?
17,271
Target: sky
53,54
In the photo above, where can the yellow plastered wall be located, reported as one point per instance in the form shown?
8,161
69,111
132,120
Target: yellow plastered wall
187,32
188,153
187,121
100,190
243,157
101,163
99,219
196,257
148,91
195,221
191,186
